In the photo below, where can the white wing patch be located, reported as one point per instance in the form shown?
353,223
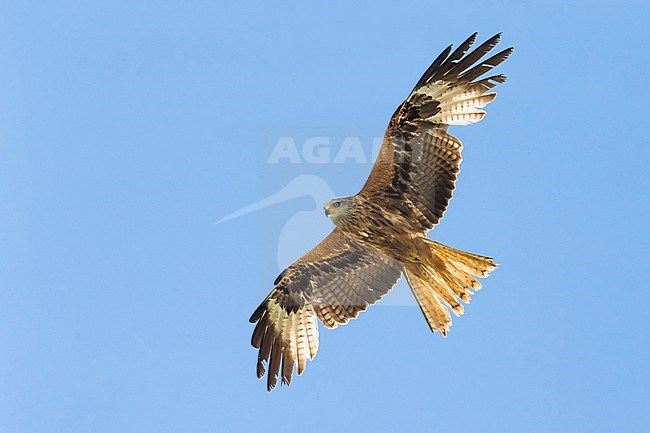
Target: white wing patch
459,105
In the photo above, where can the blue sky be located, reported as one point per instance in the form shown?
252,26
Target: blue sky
127,129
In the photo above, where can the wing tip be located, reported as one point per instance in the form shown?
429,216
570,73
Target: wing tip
259,311
507,52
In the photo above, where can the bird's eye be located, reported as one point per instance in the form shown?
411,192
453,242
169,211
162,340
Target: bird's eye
337,204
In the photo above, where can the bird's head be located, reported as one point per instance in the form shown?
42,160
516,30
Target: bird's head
338,208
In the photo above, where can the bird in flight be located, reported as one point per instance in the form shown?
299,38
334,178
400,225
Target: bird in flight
380,233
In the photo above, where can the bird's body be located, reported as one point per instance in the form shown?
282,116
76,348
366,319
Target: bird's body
380,233
366,221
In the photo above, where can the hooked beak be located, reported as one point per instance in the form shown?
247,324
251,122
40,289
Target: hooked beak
327,212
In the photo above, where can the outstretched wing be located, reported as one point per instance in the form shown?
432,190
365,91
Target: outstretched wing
334,282
419,161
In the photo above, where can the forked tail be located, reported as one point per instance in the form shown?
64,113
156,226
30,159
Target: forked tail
445,278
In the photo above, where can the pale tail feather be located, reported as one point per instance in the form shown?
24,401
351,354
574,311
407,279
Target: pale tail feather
443,280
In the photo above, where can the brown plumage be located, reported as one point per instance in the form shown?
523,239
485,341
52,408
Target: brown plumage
380,232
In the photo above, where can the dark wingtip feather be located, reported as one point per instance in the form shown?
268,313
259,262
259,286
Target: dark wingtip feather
462,48
444,59
259,311
469,41
433,67
490,82
451,61
485,66
256,315
456,65
471,58
258,334
260,369
503,55
274,365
